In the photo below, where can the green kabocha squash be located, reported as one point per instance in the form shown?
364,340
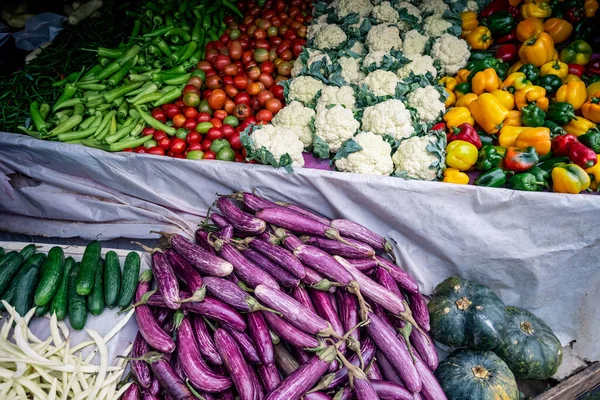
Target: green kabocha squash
466,314
476,375
529,347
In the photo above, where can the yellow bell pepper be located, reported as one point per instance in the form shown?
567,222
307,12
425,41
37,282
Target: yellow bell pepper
571,78
480,38
537,49
451,99
590,7
557,68
509,134
591,108
569,178
536,10
461,76
461,155
515,68
573,93
538,138
452,175
485,81
531,94
466,100
593,88
529,27
457,116
594,173
505,98
514,3
488,112
515,81
448,82
559,29
578,126
513,119
468,22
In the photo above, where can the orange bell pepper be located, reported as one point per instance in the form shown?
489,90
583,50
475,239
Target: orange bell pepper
469,22
457,116
559,29
591,108
485,81
505,98
515,68
480,38
532,94
513,119
509,134
466,100
538,138
590,7
514,3
573,93
536,9
461,76
488,112
529,27
537,49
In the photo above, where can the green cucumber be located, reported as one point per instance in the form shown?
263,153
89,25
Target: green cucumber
112,278
95,300
75,302
25,289
10,264
59,302
52,272
8,295
131,275
87,268
40,311
28,251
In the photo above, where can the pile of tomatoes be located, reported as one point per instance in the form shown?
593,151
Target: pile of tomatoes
236,84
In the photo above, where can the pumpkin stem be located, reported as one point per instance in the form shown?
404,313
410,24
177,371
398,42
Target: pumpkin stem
526,327
480,372
463,303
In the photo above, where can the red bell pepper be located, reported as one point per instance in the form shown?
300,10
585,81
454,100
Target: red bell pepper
440,126
514,11
510,37
576,69
574,15
494,6
593,67
582,155
465,132
520,160
561,145
507,53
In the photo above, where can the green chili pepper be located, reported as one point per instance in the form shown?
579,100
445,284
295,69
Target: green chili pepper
489,157
196,32
122,110
162,45
67,94
88,122
213,34
169,20
109,70
91,86
36,117
67,126
103,107
44,110
168,97
159,32
139,78
189,51
76,135
117,103
186,37
92,72
135,31
121,133
155,123
178,80
149,89
561,113
117,77
37,135
148,98
67,103
206,21
126,144
105,121
525,181
129,55
175,70
532,115
195,58
495,177
78,109
121,91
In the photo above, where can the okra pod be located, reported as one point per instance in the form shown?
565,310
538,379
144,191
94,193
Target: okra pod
127,144
121,91
36,117
67,126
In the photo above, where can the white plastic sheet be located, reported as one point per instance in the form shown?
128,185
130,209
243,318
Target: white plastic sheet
539,251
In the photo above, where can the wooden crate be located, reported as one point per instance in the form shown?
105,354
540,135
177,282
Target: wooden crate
576,387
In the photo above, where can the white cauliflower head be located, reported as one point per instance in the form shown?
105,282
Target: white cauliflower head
335,125
332,95
374,158
330,37
471,6
296,115
419,65
414,43
315,27
384,38
374,57
435,25
389,117
384,13
404,8
351,70
452,52
434,6
280,141
343,8
382,83
313,57
304,89
358,48
426,100
414,160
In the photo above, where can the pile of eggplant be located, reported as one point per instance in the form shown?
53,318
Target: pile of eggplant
275,302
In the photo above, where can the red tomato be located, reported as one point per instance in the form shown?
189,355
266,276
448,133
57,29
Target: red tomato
178,120
204,65
190,124
285,68
267,67
157,151
191,99
178,156
235,141
273,105
290,34
193,137
266,80
217,99
190,88
286,55
210,72
159,135
264,116
275,40
263,96
251,29
225,39
262,44
209,155
178,146
218,45
228,131
140,150
220,114
205,117
277,91
195,146
179,104
159,115
190,112
229,106
242,98
230,69
297,46
242,111
302,31
164,143
214,134
239,158
240,82
148,131
254,89
259,34
206,144
247,56
127,150
286,44
213,82
235,50
216,122
227,80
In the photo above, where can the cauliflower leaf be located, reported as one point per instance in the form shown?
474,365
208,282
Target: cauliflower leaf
348,147
263,155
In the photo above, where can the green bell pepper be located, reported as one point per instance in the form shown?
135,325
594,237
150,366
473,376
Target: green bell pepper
551,83
476,56
490,62
463,88
541,175
561,113
555,129
531,72
499,23
578,52
584,29
525,181
551,162
495,177
557,8
591,139
489,157
532,115
484,138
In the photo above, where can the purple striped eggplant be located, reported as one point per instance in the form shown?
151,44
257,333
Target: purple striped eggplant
358,232
364,265
418,306
344,393
252,201
153,334
245,343
431,389
324,304
303,379
269,375
202,241
316,281
155,387
219,220
305,212
363,390
149,396
282,276
240,220
162,315
386,280
301,295
386,368
391,391
317,396
280,256
423,344
226,232
227,395
259,391
187,274
176,365
140,369
348,312
294,312
396,352
323,263
289,332
351,249
205,341
192,364
168,378
201,259
230,293
165,279
289,219
286,362
402,277
132,393
259,331
235,363
373,372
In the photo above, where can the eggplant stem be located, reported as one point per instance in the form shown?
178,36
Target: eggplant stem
364,307
143,300
196,297
405,333
146,248
178,319
323,383
149,357
354,345
217,244
407,316
196,394
352,370
165,234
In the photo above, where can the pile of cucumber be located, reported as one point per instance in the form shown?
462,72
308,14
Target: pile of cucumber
64,287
